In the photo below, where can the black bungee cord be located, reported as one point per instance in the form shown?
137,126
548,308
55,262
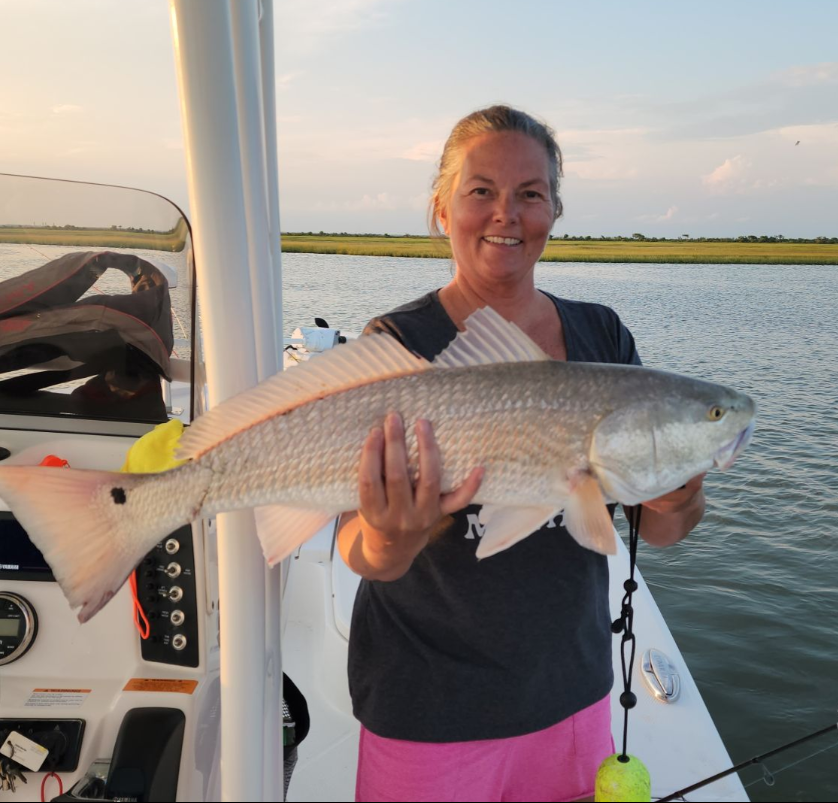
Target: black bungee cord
625,625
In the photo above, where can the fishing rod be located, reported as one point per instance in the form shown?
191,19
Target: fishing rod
755,760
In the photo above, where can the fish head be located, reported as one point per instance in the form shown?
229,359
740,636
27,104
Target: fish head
677,428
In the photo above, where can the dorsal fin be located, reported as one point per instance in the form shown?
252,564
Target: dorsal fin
359,362
489,338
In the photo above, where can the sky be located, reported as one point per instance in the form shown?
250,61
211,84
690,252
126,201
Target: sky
712,119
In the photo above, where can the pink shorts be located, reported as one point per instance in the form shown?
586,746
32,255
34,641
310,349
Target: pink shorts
557,763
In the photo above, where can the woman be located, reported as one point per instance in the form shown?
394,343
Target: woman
489,680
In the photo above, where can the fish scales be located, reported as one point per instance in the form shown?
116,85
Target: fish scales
523,419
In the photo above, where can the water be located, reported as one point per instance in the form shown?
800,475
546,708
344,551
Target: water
751,595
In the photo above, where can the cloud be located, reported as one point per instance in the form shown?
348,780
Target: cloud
419,201
377,202
827,178
730,176
283,82
382,200
313,25
657,218
809,74
600,170
584,135
66,108
801,95
83,147
425,151
410,140
601,154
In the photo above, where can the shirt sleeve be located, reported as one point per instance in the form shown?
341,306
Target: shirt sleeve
626,347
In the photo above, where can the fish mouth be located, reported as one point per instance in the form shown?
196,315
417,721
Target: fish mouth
726,456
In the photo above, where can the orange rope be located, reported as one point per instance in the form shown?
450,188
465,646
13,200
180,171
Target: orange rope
140,619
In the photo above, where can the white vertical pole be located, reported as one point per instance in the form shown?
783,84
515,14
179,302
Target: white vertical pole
253,99
269,105
249,99
274,578
203,53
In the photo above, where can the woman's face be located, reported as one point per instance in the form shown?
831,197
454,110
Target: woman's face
500,212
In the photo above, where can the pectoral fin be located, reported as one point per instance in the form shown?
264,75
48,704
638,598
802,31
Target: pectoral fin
586,517
506,526
282,529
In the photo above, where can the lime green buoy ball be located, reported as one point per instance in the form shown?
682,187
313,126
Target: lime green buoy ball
618,781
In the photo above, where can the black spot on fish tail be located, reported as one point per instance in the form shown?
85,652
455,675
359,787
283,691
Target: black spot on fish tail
119,496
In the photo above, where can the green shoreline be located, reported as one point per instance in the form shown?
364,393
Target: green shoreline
661,251
173,240
821,252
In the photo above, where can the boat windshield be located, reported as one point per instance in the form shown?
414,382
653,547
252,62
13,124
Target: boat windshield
97,302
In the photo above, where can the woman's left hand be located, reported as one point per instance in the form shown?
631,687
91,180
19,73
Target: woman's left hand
670,518
680,498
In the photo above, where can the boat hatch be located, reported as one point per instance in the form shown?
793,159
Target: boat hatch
661,676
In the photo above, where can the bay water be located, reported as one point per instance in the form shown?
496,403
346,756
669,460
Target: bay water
751,596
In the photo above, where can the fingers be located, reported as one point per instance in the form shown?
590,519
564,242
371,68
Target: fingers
427,488
678,499
396,477
386,491
684,494
462,496
388,498
371,486
428,502
696,482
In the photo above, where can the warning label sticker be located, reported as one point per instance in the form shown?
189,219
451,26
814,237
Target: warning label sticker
57,698
161,684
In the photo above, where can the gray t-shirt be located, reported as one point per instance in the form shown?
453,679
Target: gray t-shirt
461,650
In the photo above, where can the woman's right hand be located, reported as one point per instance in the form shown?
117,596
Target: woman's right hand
395,519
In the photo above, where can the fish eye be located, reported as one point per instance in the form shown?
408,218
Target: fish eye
716,413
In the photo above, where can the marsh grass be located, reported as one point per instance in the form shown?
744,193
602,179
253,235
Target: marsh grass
581,250
173,240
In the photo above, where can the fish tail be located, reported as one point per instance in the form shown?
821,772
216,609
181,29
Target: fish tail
92,527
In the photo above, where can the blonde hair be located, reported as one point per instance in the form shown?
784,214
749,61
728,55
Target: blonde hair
493,119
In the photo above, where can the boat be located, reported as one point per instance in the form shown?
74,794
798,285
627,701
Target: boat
193,711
